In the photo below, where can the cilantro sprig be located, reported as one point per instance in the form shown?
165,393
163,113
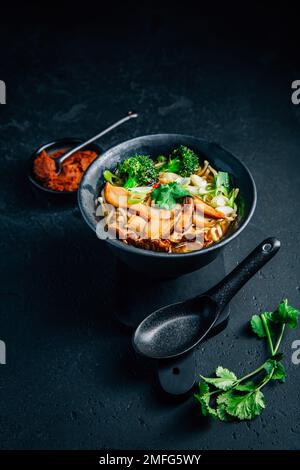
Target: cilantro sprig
226,397
165,196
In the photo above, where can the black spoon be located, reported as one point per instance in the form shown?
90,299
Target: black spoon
177,328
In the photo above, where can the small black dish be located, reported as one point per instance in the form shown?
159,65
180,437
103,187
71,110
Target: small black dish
50,194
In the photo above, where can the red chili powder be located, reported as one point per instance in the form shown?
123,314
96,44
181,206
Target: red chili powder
72,169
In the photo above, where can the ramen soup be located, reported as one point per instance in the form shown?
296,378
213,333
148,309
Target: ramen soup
175,204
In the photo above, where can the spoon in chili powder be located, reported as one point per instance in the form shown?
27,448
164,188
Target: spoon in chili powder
62,170
62,158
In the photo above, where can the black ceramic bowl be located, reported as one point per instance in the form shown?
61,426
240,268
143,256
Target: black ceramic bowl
50,194
165,264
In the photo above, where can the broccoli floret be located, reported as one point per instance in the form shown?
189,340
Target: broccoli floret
137,171
190,162
173,165
183,161
160,162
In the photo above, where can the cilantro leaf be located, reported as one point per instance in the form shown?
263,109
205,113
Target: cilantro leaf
279,372
275,370
166,195
222,413
246,387
246,406
258,327
203,397
225,379
222,401
269,366
224,397
203,389
206,409
242,398
285,314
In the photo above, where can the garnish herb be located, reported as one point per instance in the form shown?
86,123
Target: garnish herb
166,195
226,397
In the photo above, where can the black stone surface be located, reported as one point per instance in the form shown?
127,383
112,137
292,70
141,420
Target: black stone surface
71,381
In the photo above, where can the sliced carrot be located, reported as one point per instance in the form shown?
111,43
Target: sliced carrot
208,210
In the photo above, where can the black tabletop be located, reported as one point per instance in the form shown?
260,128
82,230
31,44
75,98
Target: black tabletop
71,380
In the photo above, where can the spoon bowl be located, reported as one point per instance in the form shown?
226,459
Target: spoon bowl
181,325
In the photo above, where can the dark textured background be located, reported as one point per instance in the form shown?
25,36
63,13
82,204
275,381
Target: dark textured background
220,73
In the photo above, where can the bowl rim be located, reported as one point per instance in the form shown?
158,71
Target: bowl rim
62,141
140,251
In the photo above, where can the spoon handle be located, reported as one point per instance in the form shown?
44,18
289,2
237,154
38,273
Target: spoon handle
64,157
223,292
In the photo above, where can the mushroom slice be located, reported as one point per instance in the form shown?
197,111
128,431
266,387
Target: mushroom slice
141,210
160,221
185,218
115,195
159,225
137,224
149,212
202,222
217,231
168,177
225,225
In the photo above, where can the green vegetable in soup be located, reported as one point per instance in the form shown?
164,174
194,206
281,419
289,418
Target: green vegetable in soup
182,161
111,177
160,162
137,171
222,182
165,196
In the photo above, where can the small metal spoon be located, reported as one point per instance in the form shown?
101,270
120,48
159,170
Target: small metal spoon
59,160
177,328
